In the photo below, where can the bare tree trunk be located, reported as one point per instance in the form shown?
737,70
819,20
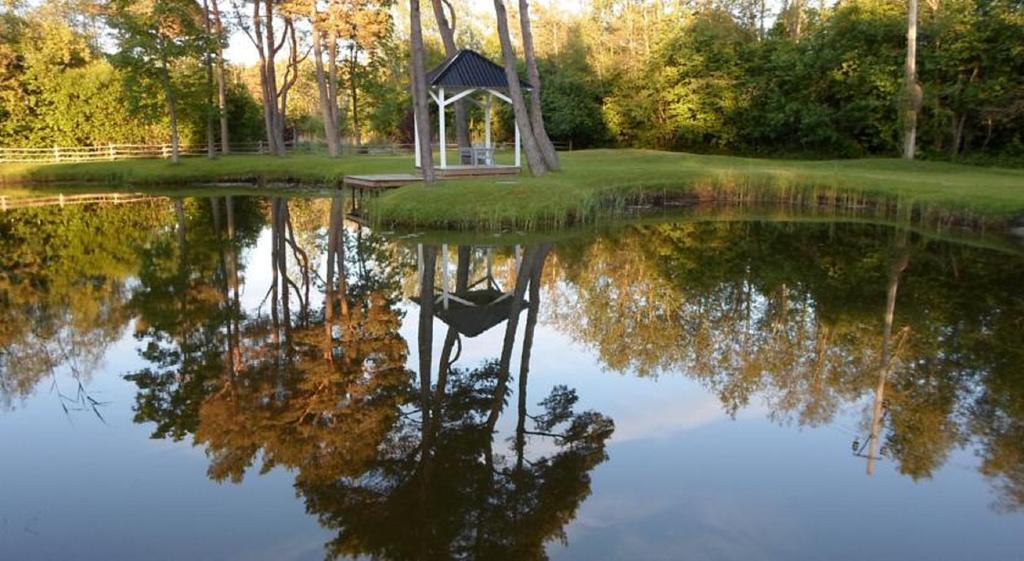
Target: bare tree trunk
172,111
447,29
533,155
913,89
332,79
959,122
291,76
328,116
211,148
270,93
262,37
222,91
354,93
419,92
540,133
896,270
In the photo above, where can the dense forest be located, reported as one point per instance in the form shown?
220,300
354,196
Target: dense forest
723,76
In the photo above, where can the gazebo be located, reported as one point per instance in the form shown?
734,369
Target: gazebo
478,307
468,75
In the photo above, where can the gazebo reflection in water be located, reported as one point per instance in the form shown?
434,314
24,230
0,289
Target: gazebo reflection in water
471,306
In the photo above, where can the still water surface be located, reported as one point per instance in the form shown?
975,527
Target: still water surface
242,378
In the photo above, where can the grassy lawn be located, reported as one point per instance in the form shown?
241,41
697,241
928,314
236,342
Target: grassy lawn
299,167
592,184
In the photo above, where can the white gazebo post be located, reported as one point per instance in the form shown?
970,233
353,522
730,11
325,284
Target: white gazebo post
441,126
487,122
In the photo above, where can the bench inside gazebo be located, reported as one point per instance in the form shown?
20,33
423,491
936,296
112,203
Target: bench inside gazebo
470,77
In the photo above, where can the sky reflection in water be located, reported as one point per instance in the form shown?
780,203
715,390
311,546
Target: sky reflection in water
170,389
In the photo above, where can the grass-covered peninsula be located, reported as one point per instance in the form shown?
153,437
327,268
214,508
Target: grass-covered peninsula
592,184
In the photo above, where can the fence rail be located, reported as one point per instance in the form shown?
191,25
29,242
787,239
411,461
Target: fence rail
11,203
112,152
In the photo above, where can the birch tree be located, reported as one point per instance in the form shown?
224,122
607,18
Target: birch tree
913,89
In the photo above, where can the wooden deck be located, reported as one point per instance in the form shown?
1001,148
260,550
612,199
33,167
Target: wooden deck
457,172
384,181
392,180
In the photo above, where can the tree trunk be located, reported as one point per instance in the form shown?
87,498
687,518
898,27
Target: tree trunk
533,155
540,133
959,122
447,29
291,76
172,111
222,92
332,79
330,124
419,92
913,90
211,148
354,94
267,50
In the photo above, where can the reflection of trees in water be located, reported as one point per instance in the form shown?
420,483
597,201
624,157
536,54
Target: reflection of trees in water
795,315
811,318
323,390
64,293
437,489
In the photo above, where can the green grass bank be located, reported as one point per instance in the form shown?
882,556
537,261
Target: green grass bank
594,184
600,183
301,168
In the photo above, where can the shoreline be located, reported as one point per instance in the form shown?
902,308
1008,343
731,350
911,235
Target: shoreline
594,185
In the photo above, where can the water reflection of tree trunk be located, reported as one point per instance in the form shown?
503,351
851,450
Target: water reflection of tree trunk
452,337
524,364
335,292
528,263
302,260
899,265
428,262
179,214
234,318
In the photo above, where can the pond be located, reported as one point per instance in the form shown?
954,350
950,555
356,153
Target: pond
243,377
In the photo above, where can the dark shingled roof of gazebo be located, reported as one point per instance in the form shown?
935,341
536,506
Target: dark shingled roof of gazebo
469,69
471,321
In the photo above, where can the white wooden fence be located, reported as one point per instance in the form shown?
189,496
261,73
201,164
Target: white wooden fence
112,152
